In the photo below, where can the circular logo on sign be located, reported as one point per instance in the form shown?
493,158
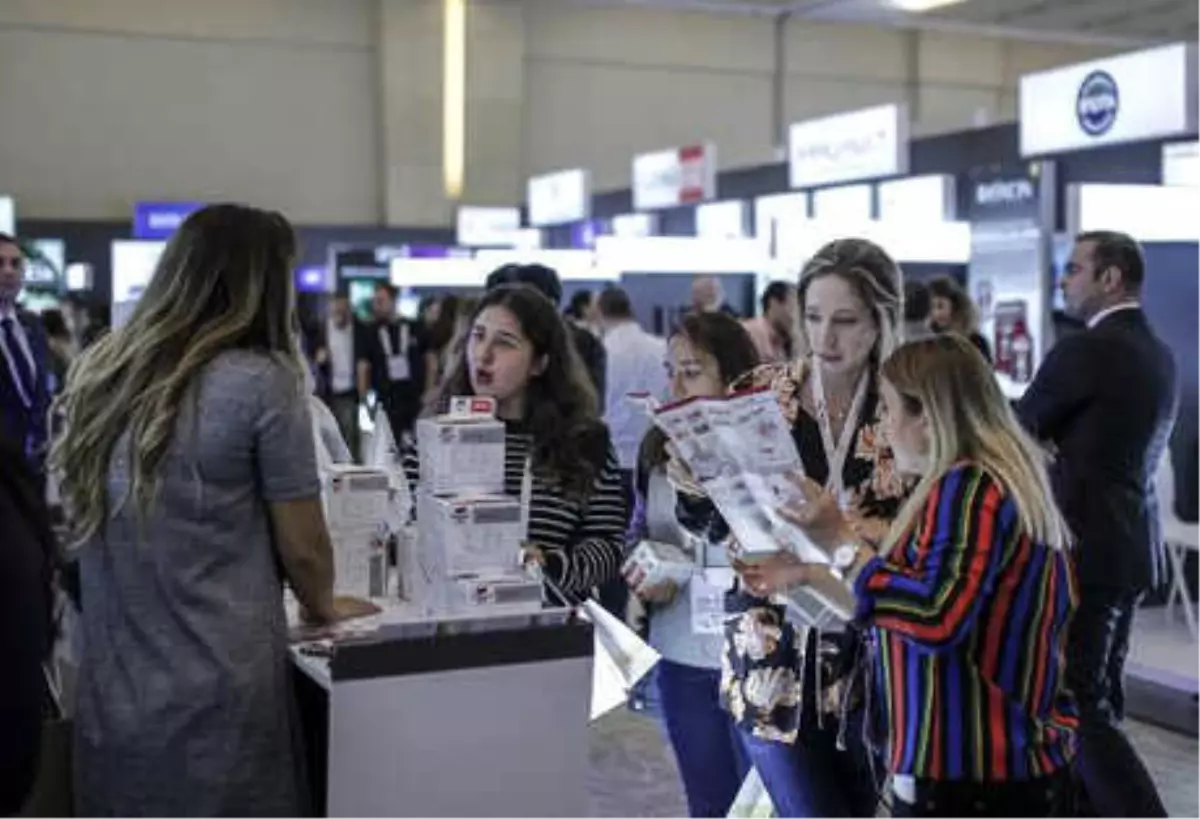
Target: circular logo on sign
1097,104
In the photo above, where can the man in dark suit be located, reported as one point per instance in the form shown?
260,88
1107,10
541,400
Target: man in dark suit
1106,399
392,362
24,362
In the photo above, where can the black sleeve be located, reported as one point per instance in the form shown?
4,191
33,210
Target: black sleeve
982,345
365,343
595,358
25,634
1063,385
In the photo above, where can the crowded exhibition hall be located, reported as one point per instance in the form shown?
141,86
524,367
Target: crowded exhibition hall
599,408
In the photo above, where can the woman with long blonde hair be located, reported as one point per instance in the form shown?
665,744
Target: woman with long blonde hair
968,598
795,692
189,477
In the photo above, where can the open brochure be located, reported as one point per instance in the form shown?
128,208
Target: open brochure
740,450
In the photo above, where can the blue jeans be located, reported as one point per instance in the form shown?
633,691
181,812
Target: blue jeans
812,778
712,761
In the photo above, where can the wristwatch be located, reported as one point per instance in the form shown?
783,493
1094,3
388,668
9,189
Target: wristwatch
844,557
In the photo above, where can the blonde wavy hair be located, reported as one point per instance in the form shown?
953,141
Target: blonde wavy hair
224,282
969,419
874,277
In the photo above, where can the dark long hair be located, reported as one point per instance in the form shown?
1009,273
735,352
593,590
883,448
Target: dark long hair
570,444
963,311
725,339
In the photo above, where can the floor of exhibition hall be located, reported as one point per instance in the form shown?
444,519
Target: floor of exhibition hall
633,771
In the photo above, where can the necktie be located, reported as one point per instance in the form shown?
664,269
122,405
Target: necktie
18,364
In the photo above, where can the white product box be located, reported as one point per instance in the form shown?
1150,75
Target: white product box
500,594
360,564
356,498
477,535
658,563
461,455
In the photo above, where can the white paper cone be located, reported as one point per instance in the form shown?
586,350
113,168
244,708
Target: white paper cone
383,451
752,800
621,659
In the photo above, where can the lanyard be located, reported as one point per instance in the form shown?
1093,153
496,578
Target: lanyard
526,494
836,453
385,338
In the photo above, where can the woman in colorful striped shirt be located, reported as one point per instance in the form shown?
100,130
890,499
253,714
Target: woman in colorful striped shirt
968,598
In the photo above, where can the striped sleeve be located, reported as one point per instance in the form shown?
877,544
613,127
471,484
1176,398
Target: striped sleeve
596,557
412,470
959,548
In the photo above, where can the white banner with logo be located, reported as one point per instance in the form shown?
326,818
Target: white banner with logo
1140,96
722,220
558,198
8,216
634,225
679,176
863,144
488,227
917,199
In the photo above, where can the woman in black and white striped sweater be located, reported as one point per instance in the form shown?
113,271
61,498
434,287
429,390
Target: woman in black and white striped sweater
517,351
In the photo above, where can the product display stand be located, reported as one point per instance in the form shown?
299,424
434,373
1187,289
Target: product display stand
463,717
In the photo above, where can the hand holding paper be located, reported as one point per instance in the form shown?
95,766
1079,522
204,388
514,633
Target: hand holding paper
817,515
773,574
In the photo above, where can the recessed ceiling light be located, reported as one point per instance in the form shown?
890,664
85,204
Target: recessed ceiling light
918,6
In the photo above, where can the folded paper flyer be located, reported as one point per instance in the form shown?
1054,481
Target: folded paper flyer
740,450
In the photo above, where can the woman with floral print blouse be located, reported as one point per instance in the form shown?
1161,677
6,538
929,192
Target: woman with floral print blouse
794,692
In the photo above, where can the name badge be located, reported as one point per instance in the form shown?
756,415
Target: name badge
707,591
398,368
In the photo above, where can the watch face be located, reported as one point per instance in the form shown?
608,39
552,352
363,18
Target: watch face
843,558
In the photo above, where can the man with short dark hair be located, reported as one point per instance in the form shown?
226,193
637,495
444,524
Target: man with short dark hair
917,308
393,362
636,364
340,342
1106,398
774,332
546,281
24,362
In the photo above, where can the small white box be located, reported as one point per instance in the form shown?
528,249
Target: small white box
659,563
356,498
360,564
478,535
461,455
501,594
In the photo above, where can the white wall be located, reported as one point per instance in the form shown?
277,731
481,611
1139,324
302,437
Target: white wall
603,84
266,101
330,110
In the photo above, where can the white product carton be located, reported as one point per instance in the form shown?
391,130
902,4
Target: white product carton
500,594
461,455
469,535
360,564
652,563
356,498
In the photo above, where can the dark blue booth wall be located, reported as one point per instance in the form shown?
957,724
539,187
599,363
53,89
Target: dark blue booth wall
91,242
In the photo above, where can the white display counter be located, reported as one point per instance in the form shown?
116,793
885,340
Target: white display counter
464,717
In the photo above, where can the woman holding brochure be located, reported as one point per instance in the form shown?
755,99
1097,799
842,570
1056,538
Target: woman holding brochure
967,599
795,692
517,351
706,354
